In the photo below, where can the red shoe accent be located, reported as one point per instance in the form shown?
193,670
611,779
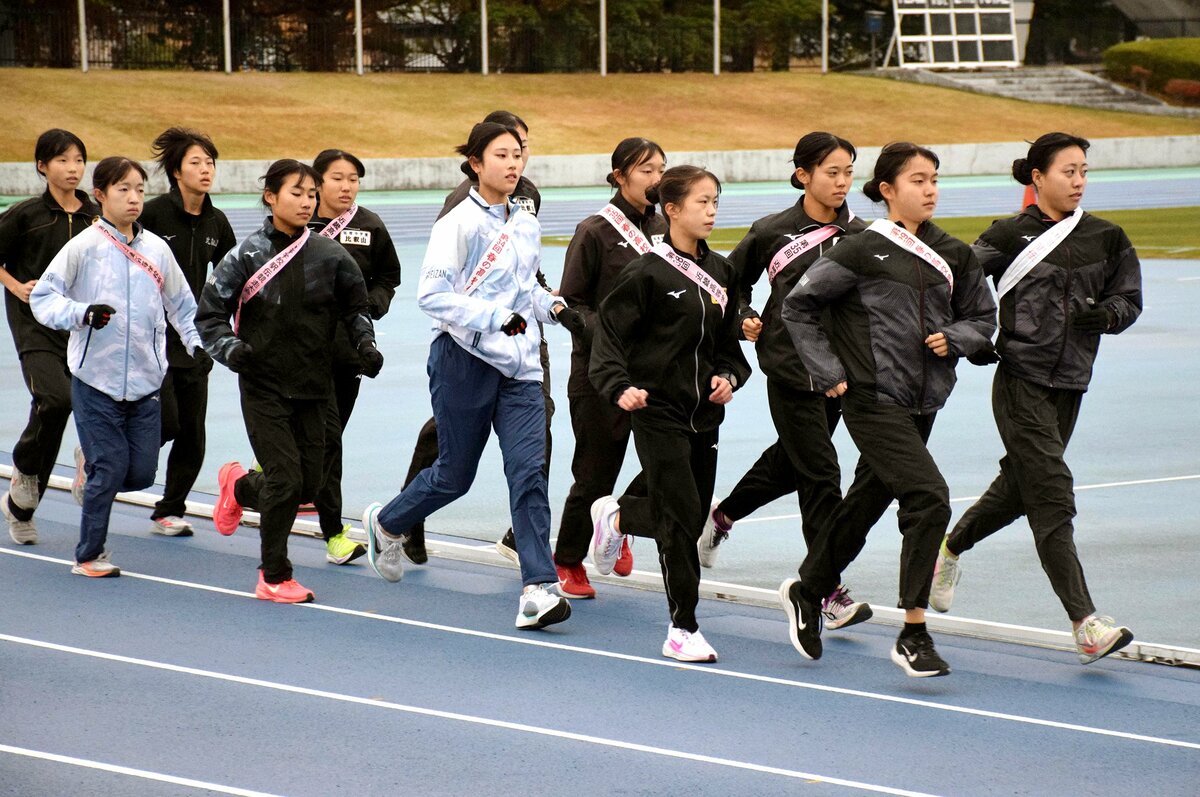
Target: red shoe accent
285,592
624,565
573,582
227,514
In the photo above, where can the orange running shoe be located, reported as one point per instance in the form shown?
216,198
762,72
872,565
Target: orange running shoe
100,567
227,514
573,582
288,591
624,565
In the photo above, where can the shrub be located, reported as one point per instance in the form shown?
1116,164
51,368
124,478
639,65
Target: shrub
1184,90
1155,62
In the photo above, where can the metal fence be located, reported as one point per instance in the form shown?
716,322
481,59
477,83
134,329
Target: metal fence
131,36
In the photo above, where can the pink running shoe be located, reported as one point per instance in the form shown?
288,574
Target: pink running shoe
288,591
227,514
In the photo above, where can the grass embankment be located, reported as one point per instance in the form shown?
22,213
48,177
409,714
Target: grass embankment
269,115
1170,233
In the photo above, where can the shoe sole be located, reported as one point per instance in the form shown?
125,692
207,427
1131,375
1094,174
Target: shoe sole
583,596
593,551
944,606
309,598
371,512
902,663
789,608
861,615
1123,640
186,531
508,553
415,559
556,614
79,571
359,551
29,538
222,477
670,653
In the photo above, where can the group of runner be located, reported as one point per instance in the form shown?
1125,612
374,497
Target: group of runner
865,322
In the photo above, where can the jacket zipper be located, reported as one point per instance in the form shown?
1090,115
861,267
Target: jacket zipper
128,325
696,359
924,354
1066,307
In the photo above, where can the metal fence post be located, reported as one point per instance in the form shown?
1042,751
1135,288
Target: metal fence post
716,37
483,36
824,36
225,36
83,41
358,36
603,38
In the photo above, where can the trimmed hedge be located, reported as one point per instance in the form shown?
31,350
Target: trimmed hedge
1156,62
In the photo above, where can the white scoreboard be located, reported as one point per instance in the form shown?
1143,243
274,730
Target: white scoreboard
955,34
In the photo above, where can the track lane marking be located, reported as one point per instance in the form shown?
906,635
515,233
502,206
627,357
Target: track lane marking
674,665
137,773
450,715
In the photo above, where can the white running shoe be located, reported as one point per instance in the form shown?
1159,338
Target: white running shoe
606,540
171,526
388,560
711,536
840,611
946,574
1098,636
80,481
540,607
23,490
687,646
23,532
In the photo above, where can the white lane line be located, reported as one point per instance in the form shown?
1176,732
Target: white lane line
137,773
468,718
674,665
974,498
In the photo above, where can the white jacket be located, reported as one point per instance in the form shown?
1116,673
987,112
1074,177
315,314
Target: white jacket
457,243
127,359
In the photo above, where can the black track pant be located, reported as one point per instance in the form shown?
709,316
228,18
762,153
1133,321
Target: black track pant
184,410
893,464
287,436
346,383
667,502
601,438
49,382
425,453
803,460
1035,424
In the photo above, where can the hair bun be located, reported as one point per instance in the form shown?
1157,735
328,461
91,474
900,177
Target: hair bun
651,194
871,189
465,168
1022,172
610,179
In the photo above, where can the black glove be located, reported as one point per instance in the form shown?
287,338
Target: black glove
573,320
514,325
240,358
372,360
1094,321
202,360
986,357
97,316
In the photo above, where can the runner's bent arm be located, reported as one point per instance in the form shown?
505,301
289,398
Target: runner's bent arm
218,302
974,311
618,329
825,282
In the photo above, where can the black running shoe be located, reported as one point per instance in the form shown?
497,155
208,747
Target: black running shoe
915,655
804,619
506,546
413,546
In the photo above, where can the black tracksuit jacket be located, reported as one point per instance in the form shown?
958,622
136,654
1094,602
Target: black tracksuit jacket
31,233
661,332
595,258
198,243
367,240
290,322
776,352
1096,261
884,301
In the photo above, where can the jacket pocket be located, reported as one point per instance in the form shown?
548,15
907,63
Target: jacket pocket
87,342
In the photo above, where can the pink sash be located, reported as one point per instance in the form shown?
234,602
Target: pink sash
337,225
784,257
490,257
693,272
260,278
628,229
137,257
910,243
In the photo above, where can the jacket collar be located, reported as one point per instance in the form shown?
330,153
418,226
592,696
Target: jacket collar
88,207
177,201
701,245
277,236
803,221
137,230
502,210
632,213
1035,212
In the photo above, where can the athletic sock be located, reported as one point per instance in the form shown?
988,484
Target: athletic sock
912,628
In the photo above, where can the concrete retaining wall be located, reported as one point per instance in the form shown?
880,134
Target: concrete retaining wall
734,166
